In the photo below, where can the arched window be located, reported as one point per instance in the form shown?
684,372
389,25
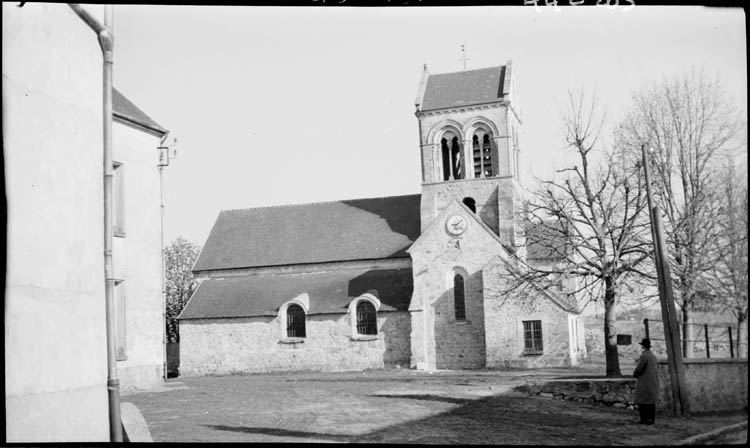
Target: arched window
477,151
295,322
459,297
484,158
471,203
487,158
451,151
366,319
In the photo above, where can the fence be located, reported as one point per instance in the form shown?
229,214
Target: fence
714,337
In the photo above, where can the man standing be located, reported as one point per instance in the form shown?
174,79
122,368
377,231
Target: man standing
647,385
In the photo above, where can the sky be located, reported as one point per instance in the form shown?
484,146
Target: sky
290,105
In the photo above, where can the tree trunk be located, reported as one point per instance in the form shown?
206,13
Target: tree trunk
688,340
610,330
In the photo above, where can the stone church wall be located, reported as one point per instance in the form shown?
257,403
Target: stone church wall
255,345
439,341
504,331
460,344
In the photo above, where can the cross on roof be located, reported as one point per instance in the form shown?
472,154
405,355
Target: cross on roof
464,58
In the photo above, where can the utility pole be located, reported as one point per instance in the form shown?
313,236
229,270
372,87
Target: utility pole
680,404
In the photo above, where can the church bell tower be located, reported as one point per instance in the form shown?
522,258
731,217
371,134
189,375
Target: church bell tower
469,125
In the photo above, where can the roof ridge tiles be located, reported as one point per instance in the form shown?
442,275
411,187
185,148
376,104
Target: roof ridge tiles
333,201
469,70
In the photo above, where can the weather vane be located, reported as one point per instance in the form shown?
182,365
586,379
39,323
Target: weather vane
463,54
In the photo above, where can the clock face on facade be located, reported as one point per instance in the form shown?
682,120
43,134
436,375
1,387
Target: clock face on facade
456,224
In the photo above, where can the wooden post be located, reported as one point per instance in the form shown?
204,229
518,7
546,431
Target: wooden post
645,325
708,346
669,314
731,343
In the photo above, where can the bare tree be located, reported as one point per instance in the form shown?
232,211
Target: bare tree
179,258
687,122
589,225
729,280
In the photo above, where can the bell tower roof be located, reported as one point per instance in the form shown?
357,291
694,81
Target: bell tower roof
465,88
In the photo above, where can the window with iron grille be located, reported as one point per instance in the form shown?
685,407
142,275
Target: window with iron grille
532,336
366,319
295,322
458,297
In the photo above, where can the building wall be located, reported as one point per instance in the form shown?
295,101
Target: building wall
55,331
504,332
498,202
713,385
438,340
256,344
137,257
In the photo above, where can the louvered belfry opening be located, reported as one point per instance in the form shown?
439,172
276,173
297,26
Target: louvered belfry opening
459,297
366,320
295,322
484,160
451,151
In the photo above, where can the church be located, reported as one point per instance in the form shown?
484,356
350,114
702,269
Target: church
416,281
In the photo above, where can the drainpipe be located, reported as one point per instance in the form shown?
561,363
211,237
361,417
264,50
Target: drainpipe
106,42
163,162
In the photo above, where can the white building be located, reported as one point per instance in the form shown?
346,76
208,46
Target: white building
55,325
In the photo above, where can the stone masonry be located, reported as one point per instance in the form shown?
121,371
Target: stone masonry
504,316
255,344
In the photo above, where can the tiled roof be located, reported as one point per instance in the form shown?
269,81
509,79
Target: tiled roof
546,241
123,108
329,292
448,90
376,228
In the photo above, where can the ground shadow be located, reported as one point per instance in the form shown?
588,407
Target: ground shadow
281,432
426,397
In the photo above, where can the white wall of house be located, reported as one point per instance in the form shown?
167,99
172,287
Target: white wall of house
55,331
137,257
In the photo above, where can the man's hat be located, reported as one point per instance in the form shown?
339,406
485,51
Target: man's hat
646,342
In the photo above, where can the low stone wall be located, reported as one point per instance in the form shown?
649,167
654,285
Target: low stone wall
713,385
615,392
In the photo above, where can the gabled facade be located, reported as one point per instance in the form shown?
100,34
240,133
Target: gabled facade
461,244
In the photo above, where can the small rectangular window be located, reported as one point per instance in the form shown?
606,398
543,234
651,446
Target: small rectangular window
118,197
532,336
120,336
624,339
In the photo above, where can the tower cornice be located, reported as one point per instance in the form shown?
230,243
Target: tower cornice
468,108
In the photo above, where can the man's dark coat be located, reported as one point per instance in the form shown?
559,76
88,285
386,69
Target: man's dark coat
647,386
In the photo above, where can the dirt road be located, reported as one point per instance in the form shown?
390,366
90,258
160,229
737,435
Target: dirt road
399,406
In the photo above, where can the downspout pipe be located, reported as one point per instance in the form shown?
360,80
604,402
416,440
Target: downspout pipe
106,42
163,161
